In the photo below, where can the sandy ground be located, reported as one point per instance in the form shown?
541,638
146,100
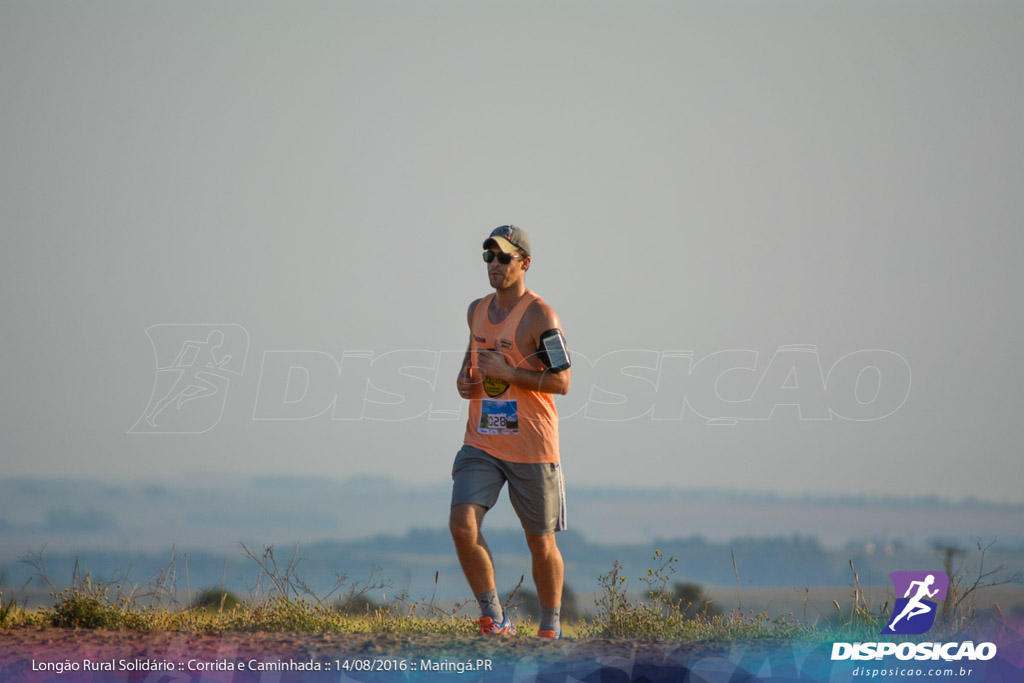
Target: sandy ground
105,656
31,655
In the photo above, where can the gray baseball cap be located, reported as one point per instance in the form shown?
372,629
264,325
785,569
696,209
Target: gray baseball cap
508,238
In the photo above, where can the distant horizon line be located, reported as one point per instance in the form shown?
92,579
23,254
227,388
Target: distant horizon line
362,480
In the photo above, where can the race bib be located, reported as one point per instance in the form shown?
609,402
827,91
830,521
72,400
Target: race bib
498,417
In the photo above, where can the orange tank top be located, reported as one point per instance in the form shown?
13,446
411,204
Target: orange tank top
506,421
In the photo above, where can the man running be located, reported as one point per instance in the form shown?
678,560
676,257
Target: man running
515,364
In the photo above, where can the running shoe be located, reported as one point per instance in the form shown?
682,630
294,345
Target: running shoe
490,628
554,635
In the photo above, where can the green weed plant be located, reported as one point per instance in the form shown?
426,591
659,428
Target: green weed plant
659,615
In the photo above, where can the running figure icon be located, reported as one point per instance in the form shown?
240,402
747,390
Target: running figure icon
916,605
194,363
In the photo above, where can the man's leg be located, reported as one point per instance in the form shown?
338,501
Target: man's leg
548,574
478,566
474,555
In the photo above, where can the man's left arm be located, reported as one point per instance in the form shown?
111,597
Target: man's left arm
536,376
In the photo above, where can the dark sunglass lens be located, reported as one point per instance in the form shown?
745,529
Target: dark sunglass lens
503,258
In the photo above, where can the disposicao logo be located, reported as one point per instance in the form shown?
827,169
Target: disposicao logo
915,612
194,367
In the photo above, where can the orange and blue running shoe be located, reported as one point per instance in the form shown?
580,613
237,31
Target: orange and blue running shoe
491,628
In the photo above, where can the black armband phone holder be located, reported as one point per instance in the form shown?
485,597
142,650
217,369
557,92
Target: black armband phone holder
553,351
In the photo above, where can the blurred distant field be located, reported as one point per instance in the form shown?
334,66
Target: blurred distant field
814,604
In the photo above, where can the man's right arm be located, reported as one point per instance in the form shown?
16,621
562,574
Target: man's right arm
466,382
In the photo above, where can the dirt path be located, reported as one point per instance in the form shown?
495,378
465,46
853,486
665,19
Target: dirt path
36,655
104,656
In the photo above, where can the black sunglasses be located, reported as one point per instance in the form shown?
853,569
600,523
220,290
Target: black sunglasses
503,258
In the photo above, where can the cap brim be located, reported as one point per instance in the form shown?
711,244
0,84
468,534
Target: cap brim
500,243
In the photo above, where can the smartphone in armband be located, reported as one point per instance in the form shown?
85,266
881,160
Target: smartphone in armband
553,351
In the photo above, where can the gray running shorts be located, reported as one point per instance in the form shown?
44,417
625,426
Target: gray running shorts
536,490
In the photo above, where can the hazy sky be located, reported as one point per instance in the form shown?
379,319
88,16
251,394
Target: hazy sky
838,180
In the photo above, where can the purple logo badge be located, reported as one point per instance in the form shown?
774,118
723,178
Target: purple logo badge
914,613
